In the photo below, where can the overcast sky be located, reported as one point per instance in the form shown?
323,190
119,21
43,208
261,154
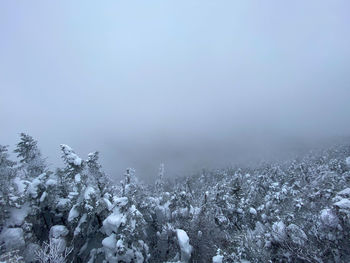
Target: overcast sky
189,83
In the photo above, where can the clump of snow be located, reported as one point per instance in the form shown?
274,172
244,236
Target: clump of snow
21,186
329,218
12,238
184,243
343,204
108,204
43,196
77,178
51,182
58,231
113,221
57,236
279,231
73,213
347,161
77,230
218,258
63,203
33,186
110,242
296,234
71,156
252,211
120,201
344,193
17,215
89,191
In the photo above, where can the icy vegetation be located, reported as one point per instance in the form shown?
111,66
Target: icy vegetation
295,211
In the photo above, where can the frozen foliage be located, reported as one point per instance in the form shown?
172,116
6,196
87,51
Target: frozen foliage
293,211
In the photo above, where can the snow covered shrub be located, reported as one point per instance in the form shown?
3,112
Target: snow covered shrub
126,228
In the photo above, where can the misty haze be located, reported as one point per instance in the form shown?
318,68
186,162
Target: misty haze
174,131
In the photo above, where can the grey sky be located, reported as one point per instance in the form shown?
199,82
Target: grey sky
189,83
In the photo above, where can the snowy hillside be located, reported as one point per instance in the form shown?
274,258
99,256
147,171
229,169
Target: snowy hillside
295,211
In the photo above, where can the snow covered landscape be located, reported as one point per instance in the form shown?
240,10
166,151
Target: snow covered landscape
293,211
174,131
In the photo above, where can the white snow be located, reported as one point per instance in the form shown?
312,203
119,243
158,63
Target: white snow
345,192
89,191
328,218
21,186
343,203
184,243
252,211
279,231
239,210
113,221
110,242
108,203
33,186
50,182
218,258
77,178
77,230
296,234
12,238
63,203
58,231
43,196
72,157
17,215
347,161
73,213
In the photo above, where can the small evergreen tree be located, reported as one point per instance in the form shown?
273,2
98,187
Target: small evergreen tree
30,156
